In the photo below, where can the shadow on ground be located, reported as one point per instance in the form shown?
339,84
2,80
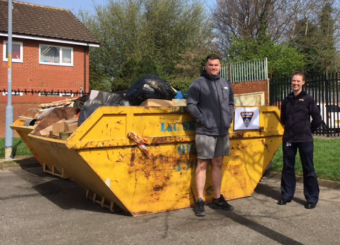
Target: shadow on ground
66,194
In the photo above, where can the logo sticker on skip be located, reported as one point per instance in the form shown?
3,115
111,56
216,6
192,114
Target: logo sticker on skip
247,116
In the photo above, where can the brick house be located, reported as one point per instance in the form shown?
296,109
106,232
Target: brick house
50,52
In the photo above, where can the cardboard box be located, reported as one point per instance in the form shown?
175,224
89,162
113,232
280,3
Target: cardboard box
71,125
155,102
58,127
180,102
46,131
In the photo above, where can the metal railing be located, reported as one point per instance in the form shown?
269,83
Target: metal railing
246,71
54,93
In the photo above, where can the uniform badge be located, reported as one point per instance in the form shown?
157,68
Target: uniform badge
247,117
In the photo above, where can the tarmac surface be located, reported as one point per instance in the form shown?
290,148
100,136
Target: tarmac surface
37,208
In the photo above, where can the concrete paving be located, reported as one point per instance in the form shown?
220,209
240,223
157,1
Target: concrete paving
37,208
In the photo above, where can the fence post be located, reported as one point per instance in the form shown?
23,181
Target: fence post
229,72
337,102
266,68
270,93
327,100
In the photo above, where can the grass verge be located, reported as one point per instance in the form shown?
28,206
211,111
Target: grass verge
19,148
326,159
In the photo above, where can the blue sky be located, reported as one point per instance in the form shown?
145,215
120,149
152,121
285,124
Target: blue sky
75,5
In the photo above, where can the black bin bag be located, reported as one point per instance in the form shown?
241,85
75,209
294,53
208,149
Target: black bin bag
149,87
97,99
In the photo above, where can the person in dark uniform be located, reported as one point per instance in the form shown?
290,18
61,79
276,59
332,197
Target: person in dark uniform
296,113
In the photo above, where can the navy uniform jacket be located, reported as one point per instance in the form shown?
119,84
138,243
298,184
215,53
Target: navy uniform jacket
296,113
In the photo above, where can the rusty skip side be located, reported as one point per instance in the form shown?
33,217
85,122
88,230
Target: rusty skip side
101,159
23,132
46,160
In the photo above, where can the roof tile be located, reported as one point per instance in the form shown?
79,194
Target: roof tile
43,21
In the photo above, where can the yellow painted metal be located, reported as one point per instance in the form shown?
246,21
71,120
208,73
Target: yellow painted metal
100,157
46,160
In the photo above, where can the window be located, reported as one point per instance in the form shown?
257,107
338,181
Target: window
55,55
17,52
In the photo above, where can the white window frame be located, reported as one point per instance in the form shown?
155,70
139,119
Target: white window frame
21,60
60,55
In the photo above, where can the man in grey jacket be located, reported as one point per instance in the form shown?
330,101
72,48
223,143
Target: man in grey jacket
211,103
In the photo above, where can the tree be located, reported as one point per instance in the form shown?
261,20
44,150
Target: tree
305,43
326,45
245,28
315,37
142,36
255,29
132,71
283,59
250,20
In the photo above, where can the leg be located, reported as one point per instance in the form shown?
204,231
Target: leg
216,175
200,177
204,147
222,149
288,180
310,181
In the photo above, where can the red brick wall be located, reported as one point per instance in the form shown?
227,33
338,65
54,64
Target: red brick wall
253,87
32,75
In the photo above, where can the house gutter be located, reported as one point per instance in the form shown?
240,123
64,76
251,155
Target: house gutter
51,40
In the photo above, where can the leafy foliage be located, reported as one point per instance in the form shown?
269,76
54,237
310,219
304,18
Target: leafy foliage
138,37
316,41
304,34
283,58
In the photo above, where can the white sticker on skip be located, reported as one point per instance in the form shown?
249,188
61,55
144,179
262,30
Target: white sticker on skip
108,182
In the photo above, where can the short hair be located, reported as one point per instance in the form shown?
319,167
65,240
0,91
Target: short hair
212,57
300,73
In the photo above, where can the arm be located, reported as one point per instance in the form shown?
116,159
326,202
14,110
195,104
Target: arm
231,100
192,102
283,113
316,116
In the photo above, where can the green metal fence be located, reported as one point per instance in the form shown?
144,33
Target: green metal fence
246,71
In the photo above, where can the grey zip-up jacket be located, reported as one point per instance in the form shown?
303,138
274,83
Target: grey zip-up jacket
211,103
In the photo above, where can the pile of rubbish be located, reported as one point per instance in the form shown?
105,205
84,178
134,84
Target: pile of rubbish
65,116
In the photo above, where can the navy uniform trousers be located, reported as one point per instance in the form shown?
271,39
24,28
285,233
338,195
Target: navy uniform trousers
288,181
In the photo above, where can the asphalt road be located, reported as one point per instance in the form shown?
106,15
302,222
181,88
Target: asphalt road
39,209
